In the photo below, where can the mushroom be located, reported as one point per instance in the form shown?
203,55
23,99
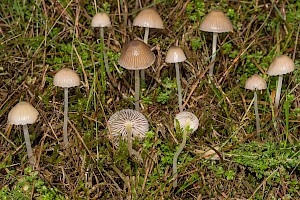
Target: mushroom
281,65
189,123
128,123
256,82
148,18
136,55
101,20
176,55
217,22
22,114
66,78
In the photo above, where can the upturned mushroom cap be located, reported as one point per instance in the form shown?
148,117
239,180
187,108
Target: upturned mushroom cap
148,18
101,20
216,21
23,113
187,118
255,82
118,122
175,55
136,55
66,78
281,65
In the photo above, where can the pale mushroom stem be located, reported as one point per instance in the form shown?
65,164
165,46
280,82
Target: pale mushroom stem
129,137
146,42
179,87
137,90
278,91
213,57
65,127
28,146
256,112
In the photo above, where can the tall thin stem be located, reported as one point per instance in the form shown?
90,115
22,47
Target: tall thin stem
256,112
178,87
213,58
65,127
28,146
146,42
278,91
128,128
137,90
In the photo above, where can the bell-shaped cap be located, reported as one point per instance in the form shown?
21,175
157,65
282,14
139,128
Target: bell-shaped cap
175,55
148,18
101,20
187,119
255,82
66,78
216,21
23,113
136,55
281,65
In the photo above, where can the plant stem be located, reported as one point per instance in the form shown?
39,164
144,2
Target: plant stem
146,42
256,112
278,91
213,57
65,127
179,87
137,90
28,145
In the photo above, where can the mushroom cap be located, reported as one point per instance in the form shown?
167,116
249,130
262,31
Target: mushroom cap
22,113
216,21
281,65
187,118
136,55
66,78
101,20
148,18
255,82
175,55
118,121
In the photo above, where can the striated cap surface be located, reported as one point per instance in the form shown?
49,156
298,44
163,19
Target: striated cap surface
148,18
66,78
175,55
136,55
101,20
22,113
255,82
187,119
281,65
216,21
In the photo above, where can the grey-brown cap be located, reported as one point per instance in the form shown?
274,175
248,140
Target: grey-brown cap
255,82
101,20
281,65
136,55
118,121
66,78
175,55
187,119
23,113
148,18
216,21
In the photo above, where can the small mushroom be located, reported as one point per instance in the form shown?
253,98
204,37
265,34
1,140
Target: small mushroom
256,82
148,18
136,55
176,55
217,22
22,114
189,123
128,123
281,65
66,78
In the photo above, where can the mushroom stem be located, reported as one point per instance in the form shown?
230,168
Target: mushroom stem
137,90
278,91
128,128
256,112
65,127
179,87
213,57
146,42
28,146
